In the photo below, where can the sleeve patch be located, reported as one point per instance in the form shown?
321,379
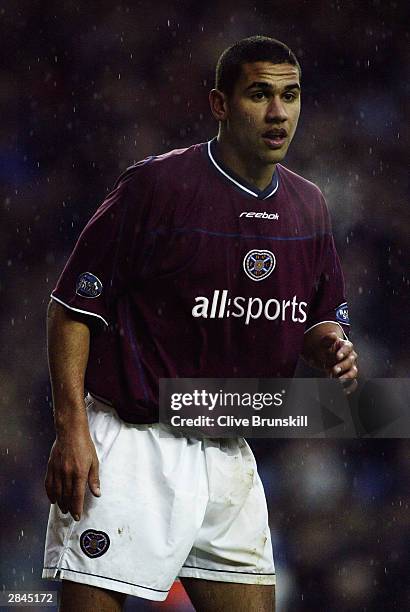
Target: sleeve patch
88,285
342,314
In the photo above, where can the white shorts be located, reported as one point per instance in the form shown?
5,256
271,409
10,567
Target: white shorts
170,507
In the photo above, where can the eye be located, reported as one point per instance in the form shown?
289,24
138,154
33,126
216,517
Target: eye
289,96
259,95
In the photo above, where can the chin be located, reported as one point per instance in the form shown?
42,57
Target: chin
274,157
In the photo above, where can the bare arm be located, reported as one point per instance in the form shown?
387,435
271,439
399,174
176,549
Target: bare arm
73,460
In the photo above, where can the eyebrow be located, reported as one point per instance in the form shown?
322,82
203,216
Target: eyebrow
263,85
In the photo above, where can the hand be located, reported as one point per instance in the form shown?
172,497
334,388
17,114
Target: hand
73,462
339,359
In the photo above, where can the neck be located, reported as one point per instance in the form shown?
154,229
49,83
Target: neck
258,175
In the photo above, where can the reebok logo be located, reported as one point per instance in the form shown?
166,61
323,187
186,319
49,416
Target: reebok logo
260,215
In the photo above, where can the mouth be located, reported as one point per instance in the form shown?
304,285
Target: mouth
275,138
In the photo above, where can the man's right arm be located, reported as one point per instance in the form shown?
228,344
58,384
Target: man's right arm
73,460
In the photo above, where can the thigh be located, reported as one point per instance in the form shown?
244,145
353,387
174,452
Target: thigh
75,597
136,536
233,544
212,596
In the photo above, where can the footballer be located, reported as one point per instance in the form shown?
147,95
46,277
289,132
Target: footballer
210,261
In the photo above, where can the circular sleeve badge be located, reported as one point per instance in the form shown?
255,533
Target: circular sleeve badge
88,285
342,313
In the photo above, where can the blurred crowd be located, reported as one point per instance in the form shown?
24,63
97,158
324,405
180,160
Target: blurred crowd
89,88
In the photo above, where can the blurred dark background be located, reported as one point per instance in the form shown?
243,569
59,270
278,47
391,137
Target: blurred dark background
87,88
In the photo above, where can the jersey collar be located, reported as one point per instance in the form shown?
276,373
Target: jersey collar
238,181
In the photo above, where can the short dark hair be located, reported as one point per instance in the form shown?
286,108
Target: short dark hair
252,49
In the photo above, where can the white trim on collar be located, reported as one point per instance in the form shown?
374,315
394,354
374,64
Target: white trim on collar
218,167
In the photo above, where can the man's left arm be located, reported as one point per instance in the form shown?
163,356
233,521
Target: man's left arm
326,347
326,344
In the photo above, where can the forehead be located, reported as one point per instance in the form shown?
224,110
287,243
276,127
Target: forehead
277,75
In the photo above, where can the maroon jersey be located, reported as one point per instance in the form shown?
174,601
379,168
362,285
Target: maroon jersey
194,273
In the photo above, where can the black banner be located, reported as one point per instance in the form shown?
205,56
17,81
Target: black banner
285,408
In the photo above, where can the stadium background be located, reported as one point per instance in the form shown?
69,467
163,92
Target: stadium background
88,88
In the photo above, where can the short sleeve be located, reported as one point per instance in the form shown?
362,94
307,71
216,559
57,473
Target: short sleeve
329,300
100,266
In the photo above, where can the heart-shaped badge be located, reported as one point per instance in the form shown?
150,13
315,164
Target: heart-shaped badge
259,264
94,543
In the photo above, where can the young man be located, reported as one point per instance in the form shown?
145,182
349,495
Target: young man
135,303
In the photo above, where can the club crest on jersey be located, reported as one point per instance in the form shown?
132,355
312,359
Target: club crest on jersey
259,264
94,543
342,314
88,285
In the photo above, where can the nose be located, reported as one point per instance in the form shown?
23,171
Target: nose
276,111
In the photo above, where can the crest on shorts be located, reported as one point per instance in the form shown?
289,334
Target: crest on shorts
342,313
88,285
259,264
94,543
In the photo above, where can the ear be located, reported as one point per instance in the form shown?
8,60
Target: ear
219,104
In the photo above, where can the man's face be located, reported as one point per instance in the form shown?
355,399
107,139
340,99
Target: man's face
263,111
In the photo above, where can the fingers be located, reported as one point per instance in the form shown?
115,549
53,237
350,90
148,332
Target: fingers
351,387
79,484
345,349
331,344
346,365
94,479
67,489
70,492
58,488
77,497
349,375
69,468
73,493
344,357
49,485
